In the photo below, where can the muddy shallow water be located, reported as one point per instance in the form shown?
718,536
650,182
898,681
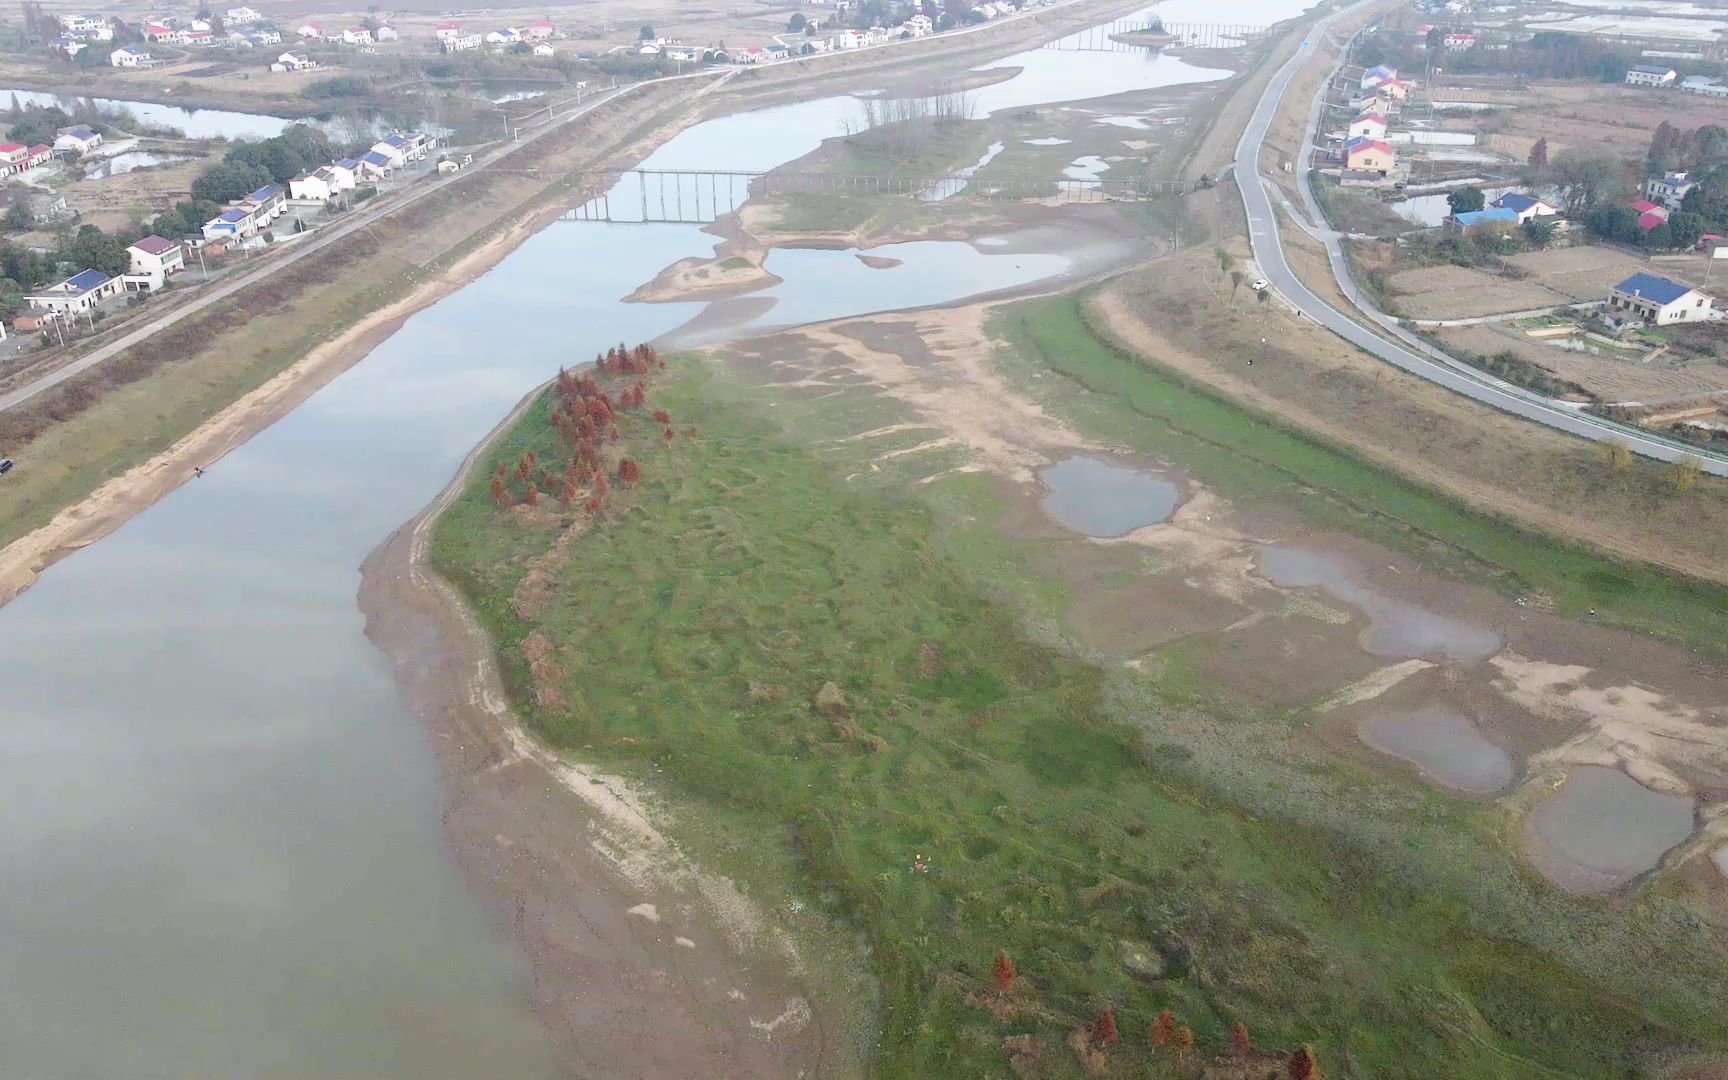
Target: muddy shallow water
1447,746
1395,628
1105,498
1603,828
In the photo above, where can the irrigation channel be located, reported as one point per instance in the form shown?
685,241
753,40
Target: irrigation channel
223,844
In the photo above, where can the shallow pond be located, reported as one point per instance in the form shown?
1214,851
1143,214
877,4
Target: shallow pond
126,162
1431,210
1395,628
1603,828
1106,498
1446,746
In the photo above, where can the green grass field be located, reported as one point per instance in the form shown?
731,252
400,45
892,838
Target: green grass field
960,789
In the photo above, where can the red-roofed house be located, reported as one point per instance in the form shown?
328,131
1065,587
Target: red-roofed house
1368,155
12,157
1396,89
538,30
1649,214
1370,125
444,31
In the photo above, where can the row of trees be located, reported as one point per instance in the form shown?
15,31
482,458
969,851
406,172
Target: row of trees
1165,1037
248,166
585,416
1597,189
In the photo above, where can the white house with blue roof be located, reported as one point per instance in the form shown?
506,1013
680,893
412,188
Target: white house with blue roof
1525,206
1658,301
231,224
77,294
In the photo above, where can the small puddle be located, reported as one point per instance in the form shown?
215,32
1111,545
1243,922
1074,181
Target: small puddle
1103,498
129,160
1086,168
1047,141
950,186
1603,828
1395,628
1136,123
1446,746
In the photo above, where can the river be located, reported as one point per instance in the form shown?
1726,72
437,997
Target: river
222,841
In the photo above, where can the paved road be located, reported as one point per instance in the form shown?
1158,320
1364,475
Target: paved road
1407,352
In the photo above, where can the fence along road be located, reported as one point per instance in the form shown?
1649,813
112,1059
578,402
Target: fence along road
1408,352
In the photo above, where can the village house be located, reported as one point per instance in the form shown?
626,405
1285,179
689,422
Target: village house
16,157
310,31
343,174
918,25
154,260
509,35
242,16
1393,89
198,38
316,186
1458,41
1368,126
77,294
164,35
848,39
1668,189
356,35
544,48
444,31
70,45
129,56
373,165
1376,75
1659,301
648,48
264,35
1649,214
294,60
234,223
386,32
1525,206
754,55
538,30
1650,75
1475,222
1369,155
1704,86
267,203
77,139
89,25
461,43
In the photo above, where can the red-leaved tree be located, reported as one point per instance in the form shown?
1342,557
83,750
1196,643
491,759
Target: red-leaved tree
500,493
1303,1066
532,495
1163,1029
1003,972
628,471
661,416
1240,1046
1104,1028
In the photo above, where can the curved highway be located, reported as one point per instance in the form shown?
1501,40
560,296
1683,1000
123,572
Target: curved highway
1409,353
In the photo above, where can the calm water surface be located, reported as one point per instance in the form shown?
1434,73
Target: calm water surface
1106,498
221,835
1446,746
1395,628
1603,828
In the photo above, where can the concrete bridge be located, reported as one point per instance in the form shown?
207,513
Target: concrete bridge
697,197
1182,35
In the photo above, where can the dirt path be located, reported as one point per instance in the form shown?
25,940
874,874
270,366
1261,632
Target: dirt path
643,964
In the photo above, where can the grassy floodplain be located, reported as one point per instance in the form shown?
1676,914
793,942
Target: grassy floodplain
825,671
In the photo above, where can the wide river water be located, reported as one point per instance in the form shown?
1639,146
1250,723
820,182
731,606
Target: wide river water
221,836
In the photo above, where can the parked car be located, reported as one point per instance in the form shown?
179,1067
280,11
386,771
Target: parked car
5,465
1260,284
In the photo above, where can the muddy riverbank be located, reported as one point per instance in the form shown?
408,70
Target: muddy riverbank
637,955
